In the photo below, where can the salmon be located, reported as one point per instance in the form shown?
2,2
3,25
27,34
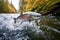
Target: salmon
25,16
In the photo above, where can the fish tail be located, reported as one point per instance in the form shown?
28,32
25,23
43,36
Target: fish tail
14,20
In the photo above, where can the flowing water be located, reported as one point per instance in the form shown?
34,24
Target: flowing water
48,28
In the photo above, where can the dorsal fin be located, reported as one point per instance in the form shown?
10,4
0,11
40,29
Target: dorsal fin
20,15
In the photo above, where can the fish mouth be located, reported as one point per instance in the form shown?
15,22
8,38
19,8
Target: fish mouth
35,17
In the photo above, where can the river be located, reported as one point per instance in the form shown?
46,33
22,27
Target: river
48,28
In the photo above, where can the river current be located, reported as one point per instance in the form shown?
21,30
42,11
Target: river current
26,30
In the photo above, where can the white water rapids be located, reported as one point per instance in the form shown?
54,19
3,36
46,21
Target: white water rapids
24,30
17,31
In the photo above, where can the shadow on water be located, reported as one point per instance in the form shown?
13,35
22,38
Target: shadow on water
50,25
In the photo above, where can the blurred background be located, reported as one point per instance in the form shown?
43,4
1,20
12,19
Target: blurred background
39,6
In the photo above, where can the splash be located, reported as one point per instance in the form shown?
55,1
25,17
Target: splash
17,31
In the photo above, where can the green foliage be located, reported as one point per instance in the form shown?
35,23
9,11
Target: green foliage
49,5
1,6
44,7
